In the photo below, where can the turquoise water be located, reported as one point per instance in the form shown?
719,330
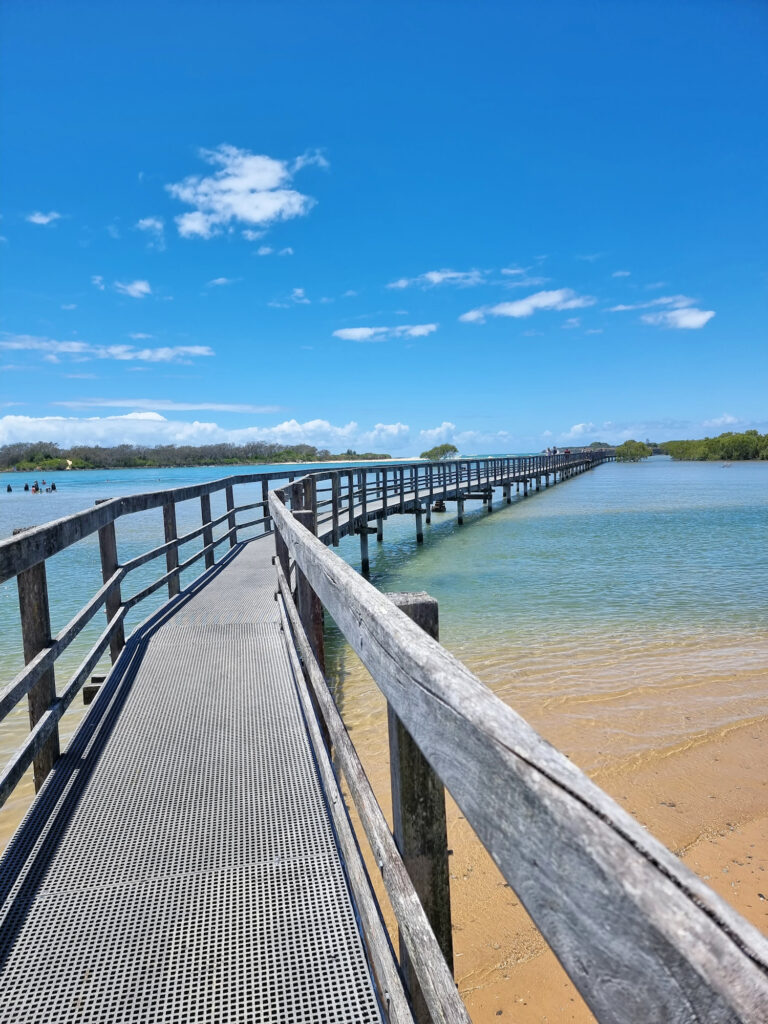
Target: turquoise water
588,606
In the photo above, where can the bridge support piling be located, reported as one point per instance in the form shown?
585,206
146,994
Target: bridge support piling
459,511
418,814
379,528
365,562
419,526
36,635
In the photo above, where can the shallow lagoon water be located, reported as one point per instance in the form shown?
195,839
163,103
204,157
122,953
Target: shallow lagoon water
588,606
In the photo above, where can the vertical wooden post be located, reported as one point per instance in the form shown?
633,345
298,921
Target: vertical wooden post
172,554
205,512
335,501
109,565
460,511
350,481
402,490
428,516
418,813
265,509
379,527
419,526
230,494
281,548
309,604
36,634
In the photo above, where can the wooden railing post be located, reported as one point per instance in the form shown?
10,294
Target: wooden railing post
205,512
418,813
281,547
351,485
265,510
172,554
36,634
109,566
309,604
335,501
230,496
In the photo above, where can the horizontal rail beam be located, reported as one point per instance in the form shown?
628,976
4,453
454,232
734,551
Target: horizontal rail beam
640,935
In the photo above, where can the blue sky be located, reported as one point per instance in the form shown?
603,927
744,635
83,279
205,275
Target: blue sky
383,225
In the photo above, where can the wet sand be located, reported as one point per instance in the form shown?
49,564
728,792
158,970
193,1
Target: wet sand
702,792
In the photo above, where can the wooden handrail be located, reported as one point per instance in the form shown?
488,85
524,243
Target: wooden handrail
640,935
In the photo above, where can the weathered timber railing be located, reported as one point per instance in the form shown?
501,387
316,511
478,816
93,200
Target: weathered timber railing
24,556
356,495
642,938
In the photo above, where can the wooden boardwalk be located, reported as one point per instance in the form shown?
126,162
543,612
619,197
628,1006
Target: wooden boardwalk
189,856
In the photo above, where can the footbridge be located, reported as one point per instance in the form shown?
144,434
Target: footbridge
189,856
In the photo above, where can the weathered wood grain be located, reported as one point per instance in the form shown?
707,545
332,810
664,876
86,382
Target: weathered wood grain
434,975
418,816
641,936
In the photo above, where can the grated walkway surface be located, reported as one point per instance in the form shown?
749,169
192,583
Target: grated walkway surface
179,863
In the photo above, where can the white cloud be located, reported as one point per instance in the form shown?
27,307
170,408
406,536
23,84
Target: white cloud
69,305
220,282
621,273
518,277
155,227
298,296
252,236
578,430
561,298
139,336
136,289
83,350
462,278
286,251
726,420
571,322
438,435
384,333
43,218
689,318
675,301
350,293
264,250
98,281
246,188
164,405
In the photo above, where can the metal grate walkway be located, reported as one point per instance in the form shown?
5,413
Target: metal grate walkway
179,863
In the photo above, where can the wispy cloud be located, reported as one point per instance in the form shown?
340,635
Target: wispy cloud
69,305
43,218
140,336
726,420
432,278
385,333
246,188
621,273
689,318
155,228
560,298
220,282
264,250
136,289
98,281
680,313
518,277
165,405
83,350
675,301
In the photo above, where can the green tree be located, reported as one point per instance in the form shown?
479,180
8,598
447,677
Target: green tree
632,451
439,452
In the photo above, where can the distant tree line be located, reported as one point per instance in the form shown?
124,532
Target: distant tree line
728,446
28,456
